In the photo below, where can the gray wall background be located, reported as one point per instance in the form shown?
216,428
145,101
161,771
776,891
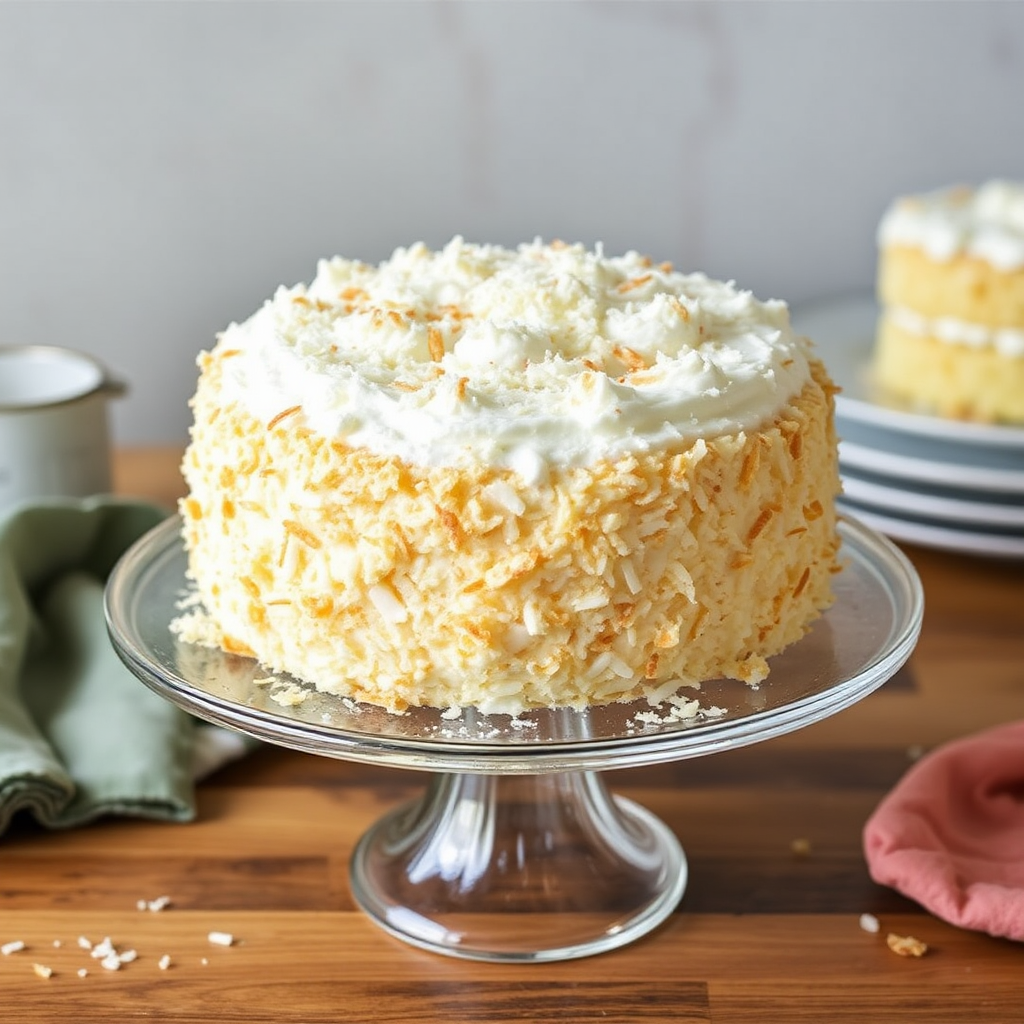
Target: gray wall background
163,166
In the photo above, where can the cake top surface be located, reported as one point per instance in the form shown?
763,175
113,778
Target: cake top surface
986,223
549,354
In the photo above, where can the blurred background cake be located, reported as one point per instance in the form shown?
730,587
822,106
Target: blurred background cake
510,478
951,285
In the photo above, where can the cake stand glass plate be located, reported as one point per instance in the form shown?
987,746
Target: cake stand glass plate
517,851
843,329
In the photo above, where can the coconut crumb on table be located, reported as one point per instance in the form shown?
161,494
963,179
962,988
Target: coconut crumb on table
221,938
800,847
870,923
905,945
12,947
155,906
42,971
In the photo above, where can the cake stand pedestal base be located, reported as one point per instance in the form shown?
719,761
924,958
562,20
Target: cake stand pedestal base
519,868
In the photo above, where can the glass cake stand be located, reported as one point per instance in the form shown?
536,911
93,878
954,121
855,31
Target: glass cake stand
517,851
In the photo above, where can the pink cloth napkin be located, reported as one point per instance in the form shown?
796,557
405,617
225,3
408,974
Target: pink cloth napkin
950,835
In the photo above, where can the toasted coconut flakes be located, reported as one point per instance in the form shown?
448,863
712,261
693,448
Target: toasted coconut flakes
905,945
283,414
435,343
813,510
298,531
759,524
633,283
698,625
651,668
630,358
451,524
460,388
750,466
41,971
804,577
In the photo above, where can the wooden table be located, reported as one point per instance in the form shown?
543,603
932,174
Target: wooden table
764,933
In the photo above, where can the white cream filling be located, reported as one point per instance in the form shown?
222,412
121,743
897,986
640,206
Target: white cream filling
987,223
545,356
1005,341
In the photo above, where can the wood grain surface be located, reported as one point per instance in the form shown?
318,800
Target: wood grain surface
768,929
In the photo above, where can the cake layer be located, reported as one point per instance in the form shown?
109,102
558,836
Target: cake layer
960,381
404,584
964,288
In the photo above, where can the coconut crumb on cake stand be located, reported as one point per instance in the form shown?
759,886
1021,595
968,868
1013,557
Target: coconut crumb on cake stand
517,851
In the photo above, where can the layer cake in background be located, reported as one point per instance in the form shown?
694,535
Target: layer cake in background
951,287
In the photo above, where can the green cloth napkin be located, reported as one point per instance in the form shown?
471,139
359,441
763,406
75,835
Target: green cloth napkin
80,736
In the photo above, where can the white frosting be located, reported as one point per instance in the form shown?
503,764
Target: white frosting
987,223
552,355
1006,341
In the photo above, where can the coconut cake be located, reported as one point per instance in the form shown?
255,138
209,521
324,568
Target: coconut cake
510,478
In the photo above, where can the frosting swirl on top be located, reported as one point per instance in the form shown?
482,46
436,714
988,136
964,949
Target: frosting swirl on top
986,223
547,355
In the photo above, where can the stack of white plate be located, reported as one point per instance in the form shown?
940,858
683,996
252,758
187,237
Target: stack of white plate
921,479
